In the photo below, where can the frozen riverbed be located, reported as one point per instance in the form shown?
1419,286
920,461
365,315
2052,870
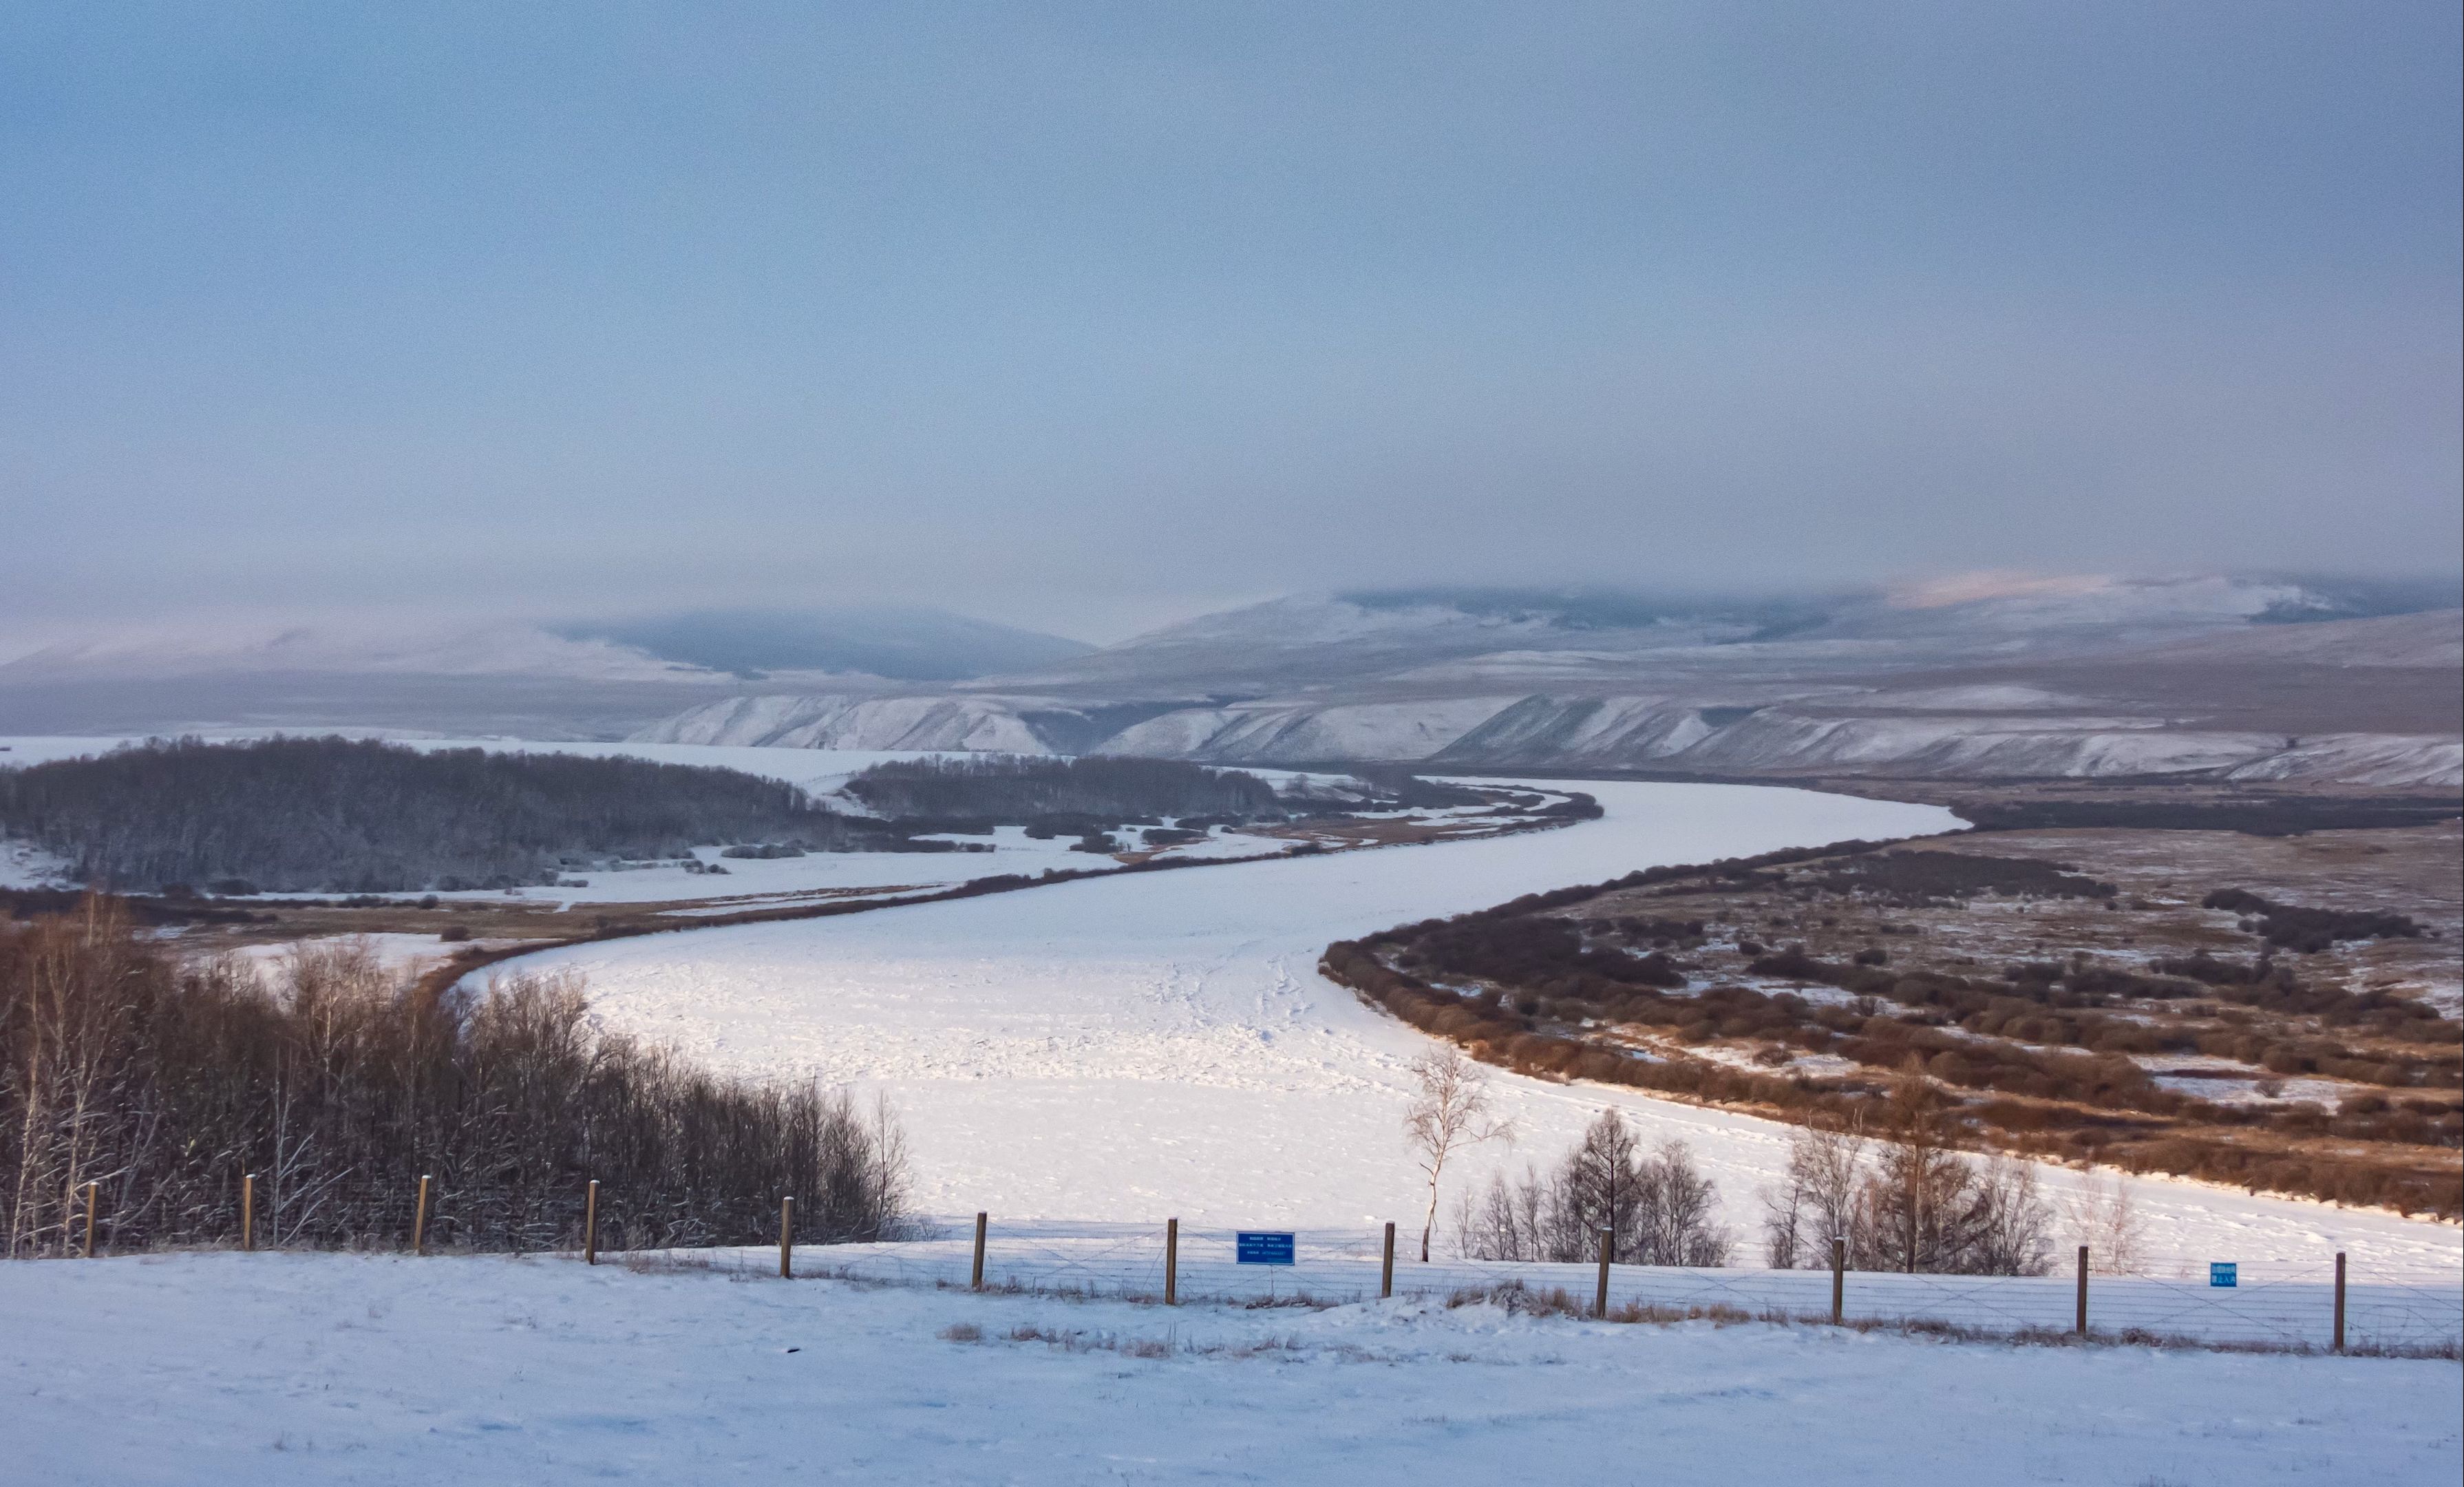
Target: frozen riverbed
1161,1044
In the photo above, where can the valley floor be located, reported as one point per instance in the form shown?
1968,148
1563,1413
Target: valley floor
212,1368
1139,1048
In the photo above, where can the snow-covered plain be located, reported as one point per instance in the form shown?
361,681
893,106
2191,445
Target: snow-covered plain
385,1369
1161,1044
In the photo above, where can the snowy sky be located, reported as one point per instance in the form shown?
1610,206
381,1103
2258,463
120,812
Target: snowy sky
1087,316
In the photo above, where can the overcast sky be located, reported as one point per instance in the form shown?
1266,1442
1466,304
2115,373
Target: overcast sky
1086,316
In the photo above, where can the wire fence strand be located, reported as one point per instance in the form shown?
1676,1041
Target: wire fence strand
2273,1303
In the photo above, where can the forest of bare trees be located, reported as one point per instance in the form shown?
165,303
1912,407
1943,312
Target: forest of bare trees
342,816
1656,1207
1904,1199
339,1084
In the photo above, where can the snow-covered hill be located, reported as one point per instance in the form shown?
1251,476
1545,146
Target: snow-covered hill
839,721
1985,677
385,1369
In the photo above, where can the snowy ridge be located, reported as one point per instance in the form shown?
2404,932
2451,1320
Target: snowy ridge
1344,731
2362,758
1987,676
1597,731
846,721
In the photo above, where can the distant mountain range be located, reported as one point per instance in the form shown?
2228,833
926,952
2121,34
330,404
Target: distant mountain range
577,679
1981,676
896,644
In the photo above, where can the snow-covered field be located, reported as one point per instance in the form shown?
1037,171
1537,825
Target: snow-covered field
2283,1303
380,1369
1161,1045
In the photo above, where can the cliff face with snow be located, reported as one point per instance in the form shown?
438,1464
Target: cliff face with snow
839,721
2089,678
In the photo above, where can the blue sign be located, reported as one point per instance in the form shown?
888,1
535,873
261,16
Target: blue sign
1264,1249
2223,1273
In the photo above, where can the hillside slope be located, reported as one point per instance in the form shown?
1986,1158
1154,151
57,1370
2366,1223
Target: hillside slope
283,1368
2092,679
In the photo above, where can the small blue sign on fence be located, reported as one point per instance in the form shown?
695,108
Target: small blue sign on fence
2223,1273
1254,1248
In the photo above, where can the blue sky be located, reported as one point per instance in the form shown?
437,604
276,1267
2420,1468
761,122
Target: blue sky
1091,316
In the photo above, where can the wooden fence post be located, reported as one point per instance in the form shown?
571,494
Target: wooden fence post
2340,1300
2082,1290
247,1211
1838,1279
1172,1262
93,1196
1601,1302
590,1224
1386,1273
419,1220
786,1238
975,1276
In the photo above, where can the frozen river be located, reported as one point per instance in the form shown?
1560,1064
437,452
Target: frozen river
1161,1044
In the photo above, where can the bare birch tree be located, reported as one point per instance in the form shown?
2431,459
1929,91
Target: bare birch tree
1452,1110
2100,1214
1817,1200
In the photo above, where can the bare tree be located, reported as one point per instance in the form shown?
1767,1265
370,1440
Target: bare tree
1654,1208
1817,1200
2101,1215
340,1083
2007,1229
1911,1204
1452,1110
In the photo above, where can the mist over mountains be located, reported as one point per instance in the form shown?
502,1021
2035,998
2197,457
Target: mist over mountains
1980,675
584,679
901,644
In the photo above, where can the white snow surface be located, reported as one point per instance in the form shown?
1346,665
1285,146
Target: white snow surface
841,723
1158,1044
1361,730
279,1368
2380,759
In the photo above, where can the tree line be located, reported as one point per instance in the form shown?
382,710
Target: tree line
339,1084
1650,1208
1015,788
342,816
